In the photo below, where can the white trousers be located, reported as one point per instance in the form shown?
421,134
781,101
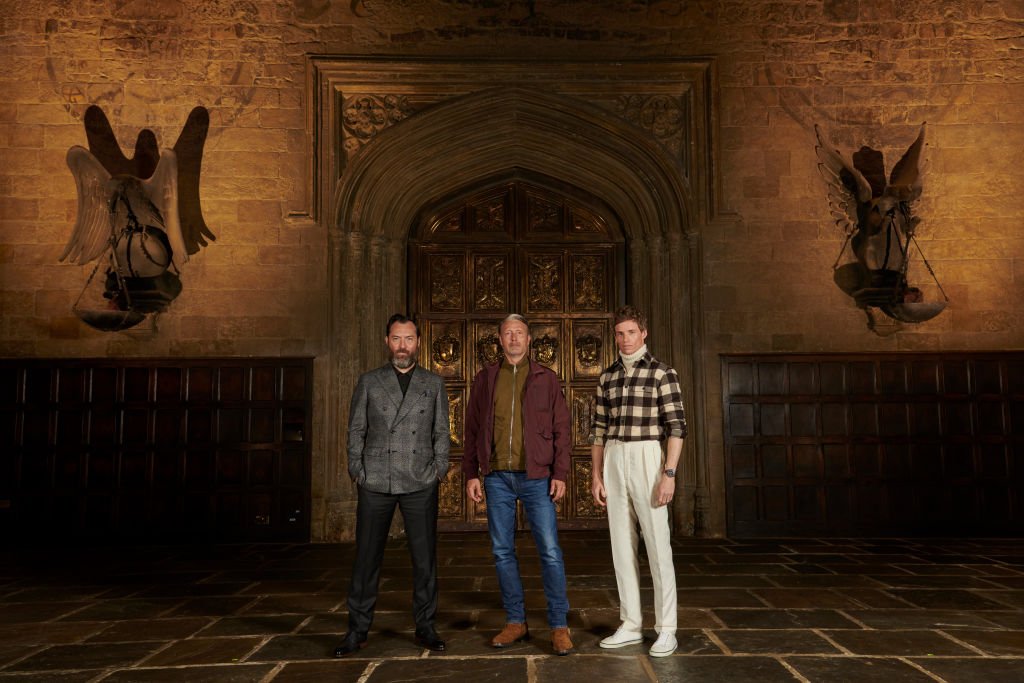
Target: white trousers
632,471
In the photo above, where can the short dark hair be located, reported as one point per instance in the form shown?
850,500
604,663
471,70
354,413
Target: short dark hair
627,313
401,319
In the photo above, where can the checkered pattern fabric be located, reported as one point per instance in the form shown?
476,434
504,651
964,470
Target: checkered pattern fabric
644,404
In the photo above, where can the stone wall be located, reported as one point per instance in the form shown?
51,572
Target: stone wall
869,71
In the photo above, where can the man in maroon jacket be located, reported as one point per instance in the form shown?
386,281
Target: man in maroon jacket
517,439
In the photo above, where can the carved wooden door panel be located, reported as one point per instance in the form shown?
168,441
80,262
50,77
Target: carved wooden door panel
533,247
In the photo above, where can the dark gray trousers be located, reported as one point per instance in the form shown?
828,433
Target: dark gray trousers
373,520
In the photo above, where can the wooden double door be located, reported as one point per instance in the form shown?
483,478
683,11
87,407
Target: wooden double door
518,245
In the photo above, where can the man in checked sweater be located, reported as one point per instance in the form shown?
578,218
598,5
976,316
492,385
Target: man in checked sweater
639,406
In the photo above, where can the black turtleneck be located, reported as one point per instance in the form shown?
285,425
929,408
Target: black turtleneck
404,377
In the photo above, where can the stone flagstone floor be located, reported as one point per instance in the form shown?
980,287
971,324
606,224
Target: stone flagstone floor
761,610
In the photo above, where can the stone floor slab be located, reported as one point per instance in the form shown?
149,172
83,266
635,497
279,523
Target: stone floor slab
775,642
204,651
230,673
722,669
455,670
783,609
897,643
337,671
104,656
859,669
978,670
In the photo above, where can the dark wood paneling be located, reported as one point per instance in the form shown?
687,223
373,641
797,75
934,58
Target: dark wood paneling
530,247
160,449
859,444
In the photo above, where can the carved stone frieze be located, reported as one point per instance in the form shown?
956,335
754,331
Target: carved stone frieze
490,283
446,283
545,283
663,116
365,115
588,283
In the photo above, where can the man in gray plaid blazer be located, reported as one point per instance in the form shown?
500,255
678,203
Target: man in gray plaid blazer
398,444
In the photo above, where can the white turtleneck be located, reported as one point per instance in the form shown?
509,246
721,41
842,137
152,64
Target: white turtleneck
631,359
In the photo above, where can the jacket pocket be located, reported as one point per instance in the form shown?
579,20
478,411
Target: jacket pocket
542,449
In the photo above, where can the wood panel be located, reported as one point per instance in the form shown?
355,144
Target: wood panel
535,248
159,449
922,444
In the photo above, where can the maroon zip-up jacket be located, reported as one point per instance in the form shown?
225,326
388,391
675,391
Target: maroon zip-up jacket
545,425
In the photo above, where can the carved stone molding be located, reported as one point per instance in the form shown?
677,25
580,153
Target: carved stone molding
512,115
363,116
363,99
664,116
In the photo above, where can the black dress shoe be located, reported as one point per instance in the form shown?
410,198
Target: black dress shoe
430,640
351,643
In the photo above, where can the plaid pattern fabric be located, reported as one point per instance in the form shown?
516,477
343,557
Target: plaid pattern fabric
643,405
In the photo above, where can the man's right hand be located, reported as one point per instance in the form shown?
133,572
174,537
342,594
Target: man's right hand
597,490
474,491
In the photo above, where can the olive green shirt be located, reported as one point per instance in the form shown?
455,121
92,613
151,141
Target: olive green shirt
508,416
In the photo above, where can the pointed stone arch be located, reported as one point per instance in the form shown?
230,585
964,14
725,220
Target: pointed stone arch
493,130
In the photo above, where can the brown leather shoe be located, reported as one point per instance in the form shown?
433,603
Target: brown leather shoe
512,633
560,641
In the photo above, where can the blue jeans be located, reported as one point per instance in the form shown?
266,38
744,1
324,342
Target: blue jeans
503,489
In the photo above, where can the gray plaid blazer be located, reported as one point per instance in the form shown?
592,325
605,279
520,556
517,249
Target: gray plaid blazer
398,444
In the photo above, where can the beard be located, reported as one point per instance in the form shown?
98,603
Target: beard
403,363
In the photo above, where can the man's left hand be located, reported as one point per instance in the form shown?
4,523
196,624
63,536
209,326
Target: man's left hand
666,489
557,490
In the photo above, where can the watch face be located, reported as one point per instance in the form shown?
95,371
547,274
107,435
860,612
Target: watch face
670,473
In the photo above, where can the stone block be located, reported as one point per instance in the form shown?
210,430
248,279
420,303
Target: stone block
259,211
242,163
787,343
65,328
760,187
14,208
282,119
284,255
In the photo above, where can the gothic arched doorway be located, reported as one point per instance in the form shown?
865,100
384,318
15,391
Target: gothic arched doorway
394,136
520,243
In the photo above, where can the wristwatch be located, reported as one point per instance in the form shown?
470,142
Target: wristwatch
670,473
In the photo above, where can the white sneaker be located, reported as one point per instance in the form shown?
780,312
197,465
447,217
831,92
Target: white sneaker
665,645
622,638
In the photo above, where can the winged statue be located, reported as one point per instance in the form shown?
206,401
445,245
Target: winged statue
139,217
876,215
